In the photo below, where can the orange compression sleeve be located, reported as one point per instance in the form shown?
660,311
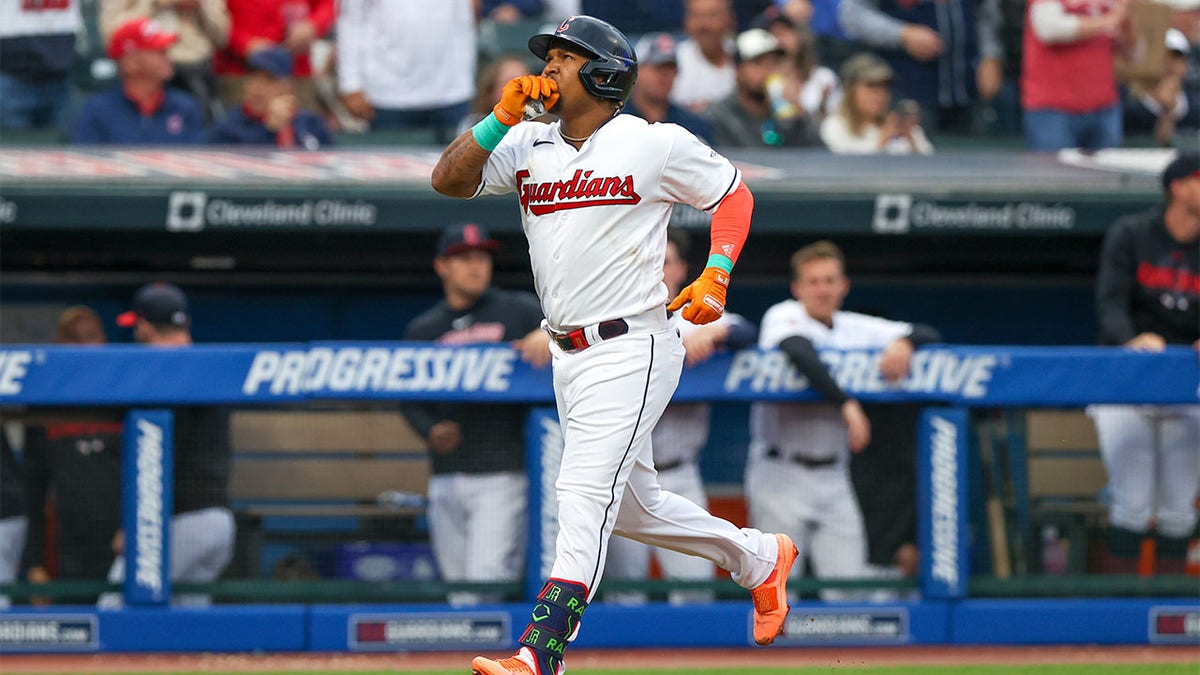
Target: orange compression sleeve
731,223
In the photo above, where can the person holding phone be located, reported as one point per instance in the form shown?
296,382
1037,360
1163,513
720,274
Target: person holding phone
864,123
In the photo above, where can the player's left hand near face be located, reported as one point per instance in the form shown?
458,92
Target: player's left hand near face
519,91
704,297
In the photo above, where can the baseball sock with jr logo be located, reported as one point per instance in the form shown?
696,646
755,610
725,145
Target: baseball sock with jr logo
553,622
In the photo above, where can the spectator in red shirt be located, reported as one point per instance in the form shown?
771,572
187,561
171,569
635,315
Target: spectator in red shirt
1068,88
256,25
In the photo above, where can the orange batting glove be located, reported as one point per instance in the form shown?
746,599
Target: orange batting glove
704,297
518,91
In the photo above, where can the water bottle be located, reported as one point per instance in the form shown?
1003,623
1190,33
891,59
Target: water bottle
394,499
1054,551
781,108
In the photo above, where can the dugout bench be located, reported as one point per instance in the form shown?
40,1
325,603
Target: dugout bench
311,479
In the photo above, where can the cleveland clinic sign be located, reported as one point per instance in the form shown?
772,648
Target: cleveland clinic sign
902,213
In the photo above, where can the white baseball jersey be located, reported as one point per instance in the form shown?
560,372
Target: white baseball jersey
813,431
596,218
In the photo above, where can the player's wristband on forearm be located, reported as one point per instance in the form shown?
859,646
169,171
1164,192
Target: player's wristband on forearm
489,131
721,262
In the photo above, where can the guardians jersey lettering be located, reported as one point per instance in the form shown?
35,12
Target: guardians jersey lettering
579,192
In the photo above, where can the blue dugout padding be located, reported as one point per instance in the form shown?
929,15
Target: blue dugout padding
1100,621
958,377
942,499
147,502
496,628
220,628
131,375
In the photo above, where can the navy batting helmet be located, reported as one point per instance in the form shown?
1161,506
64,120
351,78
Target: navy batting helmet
612,68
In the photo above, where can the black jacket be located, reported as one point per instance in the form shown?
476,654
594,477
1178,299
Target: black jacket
1148,282
492,434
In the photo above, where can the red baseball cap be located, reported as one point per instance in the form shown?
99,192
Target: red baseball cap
140,34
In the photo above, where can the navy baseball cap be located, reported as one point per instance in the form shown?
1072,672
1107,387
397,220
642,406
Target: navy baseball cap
159,303
656,48
275,61
1186,165
462,237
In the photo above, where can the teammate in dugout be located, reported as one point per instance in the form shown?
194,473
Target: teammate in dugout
478,491
1148,297
678,438
596,191
78,461
798,475
202,526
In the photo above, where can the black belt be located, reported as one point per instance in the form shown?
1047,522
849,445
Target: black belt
574,341
774,453
667,466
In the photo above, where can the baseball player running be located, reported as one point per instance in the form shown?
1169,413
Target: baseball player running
678,438
596,191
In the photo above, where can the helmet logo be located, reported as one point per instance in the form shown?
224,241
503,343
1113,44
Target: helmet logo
563,26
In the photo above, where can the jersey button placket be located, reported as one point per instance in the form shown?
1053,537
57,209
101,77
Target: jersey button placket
558,230
559,235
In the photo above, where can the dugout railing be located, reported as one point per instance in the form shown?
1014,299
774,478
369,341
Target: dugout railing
999,423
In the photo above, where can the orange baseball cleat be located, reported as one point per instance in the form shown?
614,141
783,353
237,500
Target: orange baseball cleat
521,663
770,597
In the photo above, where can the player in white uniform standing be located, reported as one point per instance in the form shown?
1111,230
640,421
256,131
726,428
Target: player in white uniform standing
596,191
798,475
680,435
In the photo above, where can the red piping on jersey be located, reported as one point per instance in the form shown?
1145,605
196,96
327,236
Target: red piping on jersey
731,223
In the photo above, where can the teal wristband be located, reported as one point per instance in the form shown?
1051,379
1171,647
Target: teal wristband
489,131
720,262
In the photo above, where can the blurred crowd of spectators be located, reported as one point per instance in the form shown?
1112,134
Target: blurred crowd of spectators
856,76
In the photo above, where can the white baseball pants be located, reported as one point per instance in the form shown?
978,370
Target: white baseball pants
629,559
609,397
12,545
816,507
201,547
477,525
1152,456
